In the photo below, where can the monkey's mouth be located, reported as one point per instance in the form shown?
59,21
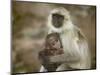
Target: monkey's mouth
57,20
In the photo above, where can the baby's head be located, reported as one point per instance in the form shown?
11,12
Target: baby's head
53,41
53,46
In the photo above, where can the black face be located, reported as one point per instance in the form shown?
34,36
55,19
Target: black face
57,20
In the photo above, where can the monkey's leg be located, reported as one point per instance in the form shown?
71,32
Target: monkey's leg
42,69
65,67
62,67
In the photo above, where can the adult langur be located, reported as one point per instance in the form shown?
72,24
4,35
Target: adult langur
76,53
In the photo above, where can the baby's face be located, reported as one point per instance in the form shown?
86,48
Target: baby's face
54,42
57,45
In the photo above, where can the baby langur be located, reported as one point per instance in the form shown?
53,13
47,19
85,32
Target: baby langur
76,54
53,47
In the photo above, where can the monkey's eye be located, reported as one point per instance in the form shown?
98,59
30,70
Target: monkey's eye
56,39
58,16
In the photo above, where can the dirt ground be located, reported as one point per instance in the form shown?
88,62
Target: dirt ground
29,31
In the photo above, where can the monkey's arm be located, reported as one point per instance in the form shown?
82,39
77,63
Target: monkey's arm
80,54
65,58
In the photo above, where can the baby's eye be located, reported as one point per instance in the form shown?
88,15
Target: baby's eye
56,40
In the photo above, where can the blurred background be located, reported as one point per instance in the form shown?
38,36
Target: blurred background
29,31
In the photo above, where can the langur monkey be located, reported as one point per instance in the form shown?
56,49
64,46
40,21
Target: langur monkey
76,52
